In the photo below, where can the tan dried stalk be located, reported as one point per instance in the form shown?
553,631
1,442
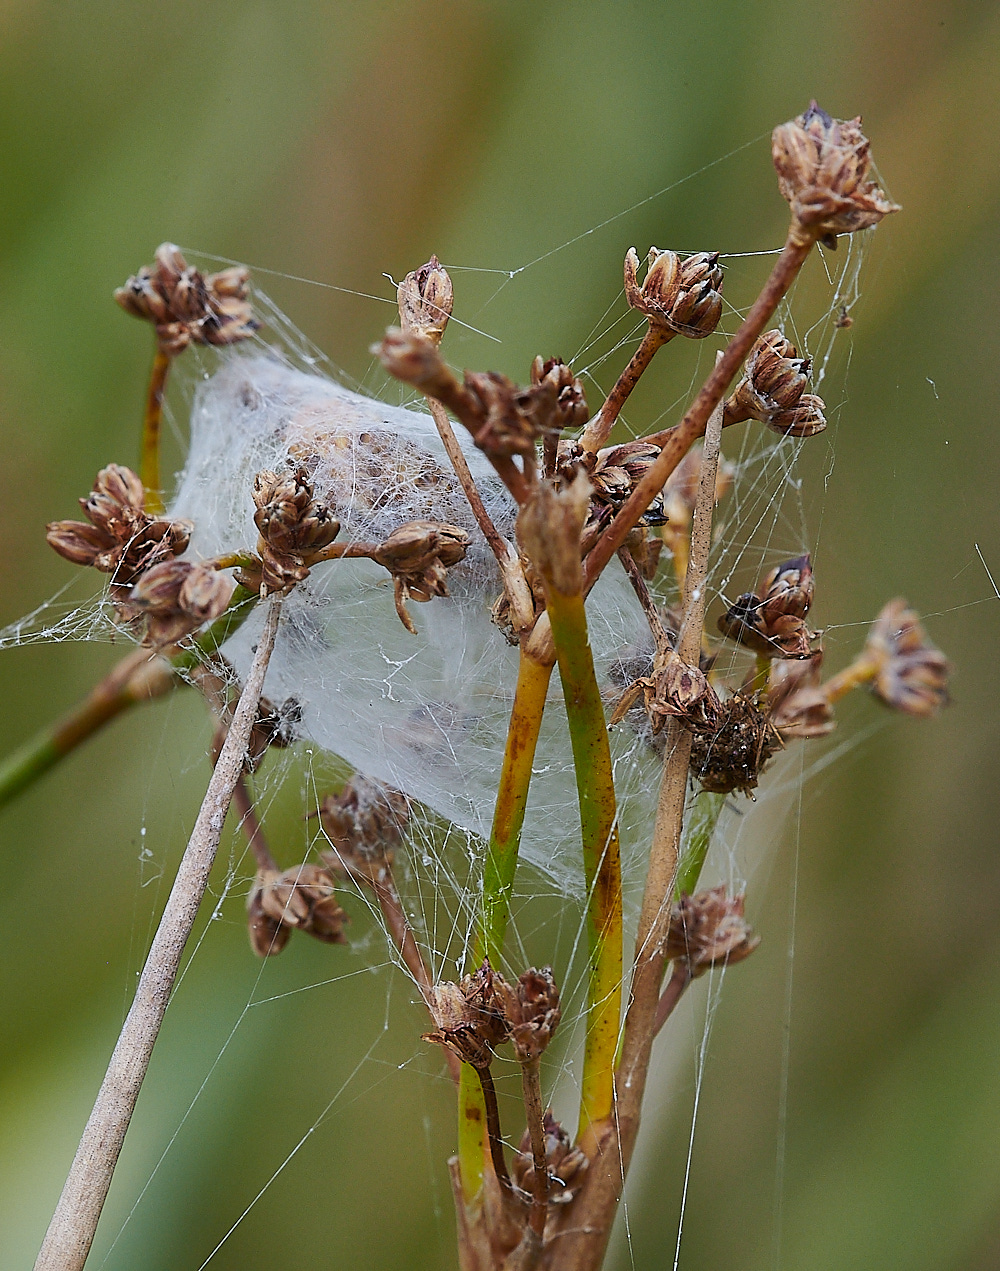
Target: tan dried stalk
71,1231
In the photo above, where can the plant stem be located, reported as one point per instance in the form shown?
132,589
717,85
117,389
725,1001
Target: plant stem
671,995
601,854
498,881
149,466
532,1091
860,672
251,826
598,430
140,677
786,268
699,827
71,1232
493,1129
519,596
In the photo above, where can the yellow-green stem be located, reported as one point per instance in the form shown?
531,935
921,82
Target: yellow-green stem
149,467
601,854
761,674
140,677
696,839
498,880
851,677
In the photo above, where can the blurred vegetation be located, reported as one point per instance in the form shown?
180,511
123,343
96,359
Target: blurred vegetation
342,142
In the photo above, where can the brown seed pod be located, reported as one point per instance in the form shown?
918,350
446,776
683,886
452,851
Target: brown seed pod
185,307
823,165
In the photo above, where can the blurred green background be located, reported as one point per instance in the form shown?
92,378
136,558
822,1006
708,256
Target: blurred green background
850,1109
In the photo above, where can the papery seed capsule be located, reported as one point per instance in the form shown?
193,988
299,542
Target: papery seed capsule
426,299
823,166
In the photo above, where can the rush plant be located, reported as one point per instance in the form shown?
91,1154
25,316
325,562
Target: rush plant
577,505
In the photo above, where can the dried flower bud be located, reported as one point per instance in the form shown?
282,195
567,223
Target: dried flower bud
571,410
531,1009
708,929
185,306
773,390
730,753
770,622
177,597
513,418
549,527
681,298
823,165
425,299
567,1164
787,590
294,528
799,707
419,555
617,470
302,899
675,690
122,539
911,675
469,1016
364,823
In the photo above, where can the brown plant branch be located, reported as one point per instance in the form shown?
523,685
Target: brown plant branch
522,608
797,247
597,432
71,1231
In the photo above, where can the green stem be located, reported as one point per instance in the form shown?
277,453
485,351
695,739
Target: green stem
149,466
140,677
601,853
498,881
698,830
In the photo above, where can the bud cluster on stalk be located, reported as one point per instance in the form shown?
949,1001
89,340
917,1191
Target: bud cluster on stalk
678,297
483,1010
707,930
302,898
185,306
773,390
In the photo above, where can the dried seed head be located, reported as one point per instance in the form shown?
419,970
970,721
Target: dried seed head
708,929
298,899
799,707
617,470
571,410
531,1009
514,419
771,621
823,166
122,539
185,306
912,675
293,526
787,590
567,1164
426,299
549,529
364,823
177,597
773,390
419,555
681,298
730,753
469,1016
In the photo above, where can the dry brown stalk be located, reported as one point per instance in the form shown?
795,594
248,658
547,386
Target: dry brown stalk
71,1231
797,247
